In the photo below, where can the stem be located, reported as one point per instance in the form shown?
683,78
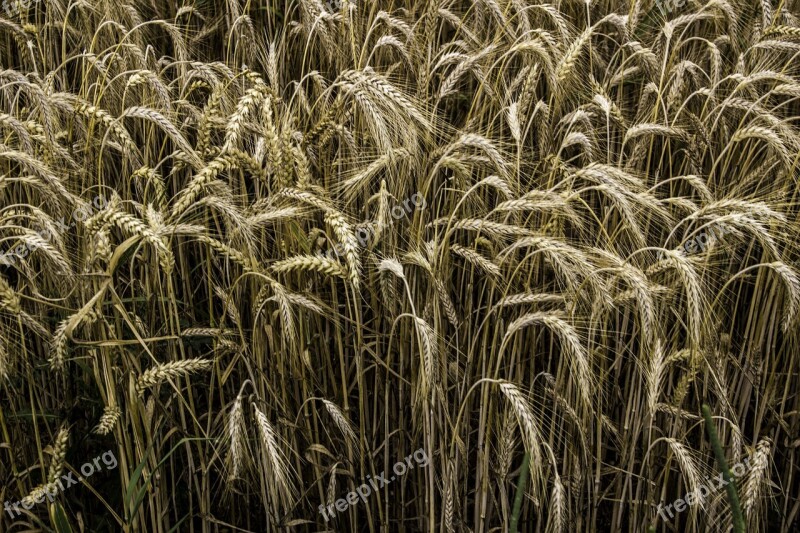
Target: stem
522,483
733,496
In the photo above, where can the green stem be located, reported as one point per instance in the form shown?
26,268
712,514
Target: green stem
733,496
522,483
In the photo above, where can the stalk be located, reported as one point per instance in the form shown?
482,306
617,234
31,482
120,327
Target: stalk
522,483
730,488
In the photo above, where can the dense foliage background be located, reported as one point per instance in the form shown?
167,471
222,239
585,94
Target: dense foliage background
264,250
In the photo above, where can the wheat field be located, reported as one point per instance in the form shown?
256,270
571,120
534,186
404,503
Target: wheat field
262,252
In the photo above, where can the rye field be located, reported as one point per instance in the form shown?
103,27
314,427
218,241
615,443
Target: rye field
476,266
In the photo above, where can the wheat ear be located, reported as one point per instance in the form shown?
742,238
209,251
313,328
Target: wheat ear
157,374
107,421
